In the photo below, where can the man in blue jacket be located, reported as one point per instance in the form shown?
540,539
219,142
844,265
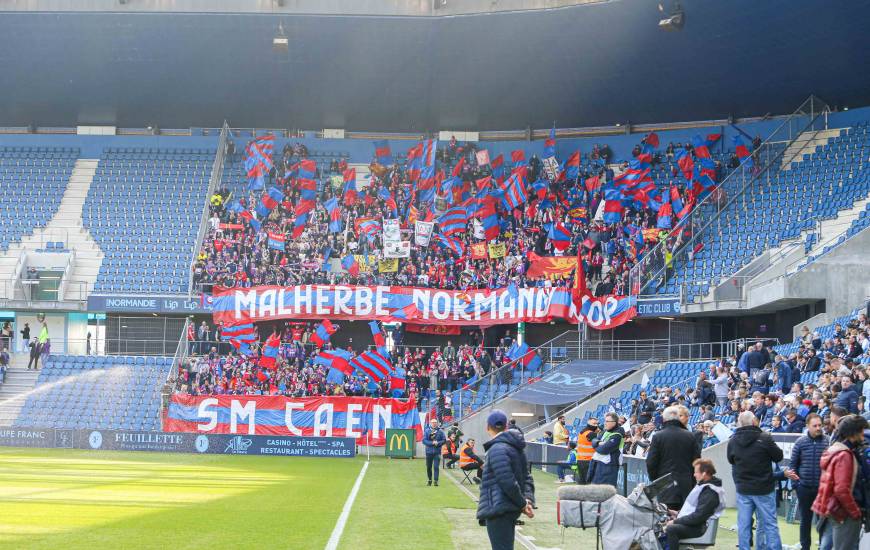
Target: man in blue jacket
848,397
433,439
805,470
507,489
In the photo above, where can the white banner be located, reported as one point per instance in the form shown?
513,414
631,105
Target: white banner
551,167
392,231
423,232
401,249
477,230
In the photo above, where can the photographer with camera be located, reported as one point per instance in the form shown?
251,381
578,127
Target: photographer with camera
841,502
433,439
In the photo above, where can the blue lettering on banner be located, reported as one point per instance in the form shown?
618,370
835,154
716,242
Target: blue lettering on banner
657,307
177,442
144,304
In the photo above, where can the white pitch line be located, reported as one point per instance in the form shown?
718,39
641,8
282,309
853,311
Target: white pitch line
332,543
525,541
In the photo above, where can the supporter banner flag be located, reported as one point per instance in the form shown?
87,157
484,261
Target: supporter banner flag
270,351
378,336
653,139
394,250
242,333
488,215
269,201
676,201
420,305
593,183
550,266
383,153
497,250
373,364
307,189
600,312
333,212
550,144
258,159
452,244
370,227
651,235
397,380
478,251
322,333
423,232
306,169
453,221
712,139
665,214
742,151
572,167
440,330
524,356
541,188
699,145
335,359
613,211
497,166
518,158
513,194
482,157
388,265
392,230
276,240
559,236
350,264
363,418
350,190
685,162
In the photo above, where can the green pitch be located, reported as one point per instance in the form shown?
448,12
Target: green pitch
69,500
116,500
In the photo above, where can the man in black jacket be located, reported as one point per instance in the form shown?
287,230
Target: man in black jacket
805,470
507,488
705,502
673,449
752,454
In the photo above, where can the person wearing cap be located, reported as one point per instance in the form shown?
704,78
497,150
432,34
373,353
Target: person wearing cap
507,488
433,439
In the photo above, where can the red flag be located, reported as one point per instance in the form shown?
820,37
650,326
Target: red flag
593,183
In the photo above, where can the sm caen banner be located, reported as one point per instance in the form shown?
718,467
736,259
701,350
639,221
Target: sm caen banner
363,418
401,443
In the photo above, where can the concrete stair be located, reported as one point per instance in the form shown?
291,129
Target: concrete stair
806,144
65,226
14,391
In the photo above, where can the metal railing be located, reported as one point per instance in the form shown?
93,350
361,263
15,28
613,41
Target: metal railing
703,219
553,354
624,350
19,292
214,181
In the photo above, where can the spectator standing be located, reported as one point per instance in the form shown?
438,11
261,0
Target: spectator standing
751,452
843,474
584,448
721,386
25,336
673,449
35,351
604,466
507,488
560,432
433,439
805,470
4,363
569,464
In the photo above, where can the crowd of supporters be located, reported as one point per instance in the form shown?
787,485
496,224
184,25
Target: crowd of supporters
431,374
237,253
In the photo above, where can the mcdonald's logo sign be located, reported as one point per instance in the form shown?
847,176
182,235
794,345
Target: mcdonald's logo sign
401,443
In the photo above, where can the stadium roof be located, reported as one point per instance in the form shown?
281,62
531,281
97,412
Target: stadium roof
582,65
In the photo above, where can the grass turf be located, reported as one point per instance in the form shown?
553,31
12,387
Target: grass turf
94,500
118,500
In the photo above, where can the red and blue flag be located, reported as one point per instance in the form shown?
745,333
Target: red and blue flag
322,333
382,152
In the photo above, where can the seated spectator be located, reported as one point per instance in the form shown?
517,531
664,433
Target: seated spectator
469,461
705,502
448,451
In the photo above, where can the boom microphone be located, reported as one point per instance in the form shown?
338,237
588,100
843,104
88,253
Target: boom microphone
587,493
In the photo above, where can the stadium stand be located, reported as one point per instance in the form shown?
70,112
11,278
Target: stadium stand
32,182
108,392
784,205
145,196
842,347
